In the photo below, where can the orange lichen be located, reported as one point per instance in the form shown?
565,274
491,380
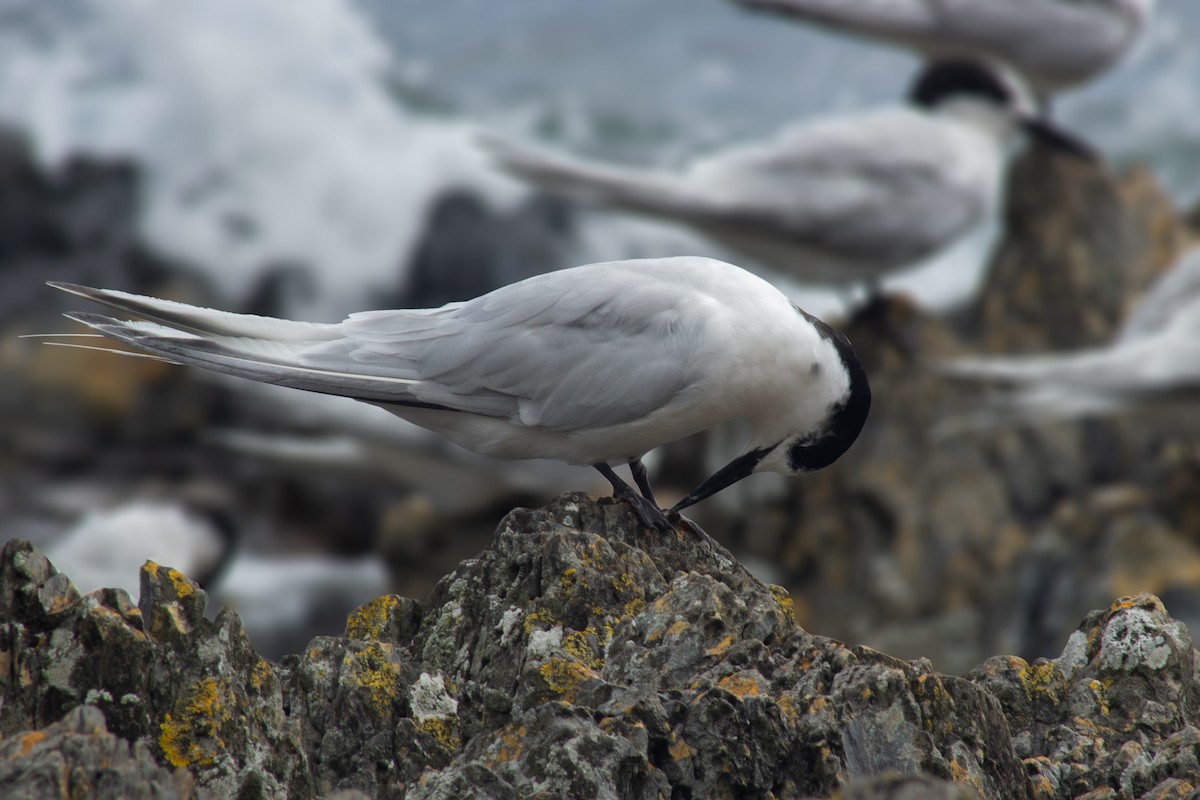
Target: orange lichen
30,740
740,685
677,748
720,647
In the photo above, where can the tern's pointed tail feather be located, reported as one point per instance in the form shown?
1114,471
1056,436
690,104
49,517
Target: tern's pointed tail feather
593,183
198,320
245,346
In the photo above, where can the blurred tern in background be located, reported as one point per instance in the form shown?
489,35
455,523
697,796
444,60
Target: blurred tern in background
1054,44
838,201
594,365
1154,362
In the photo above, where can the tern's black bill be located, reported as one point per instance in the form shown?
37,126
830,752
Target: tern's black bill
1056,138
731,473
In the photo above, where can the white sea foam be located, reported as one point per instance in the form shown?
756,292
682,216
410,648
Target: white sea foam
266,129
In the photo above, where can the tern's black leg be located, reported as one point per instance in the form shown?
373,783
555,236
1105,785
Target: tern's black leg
642,479
648,512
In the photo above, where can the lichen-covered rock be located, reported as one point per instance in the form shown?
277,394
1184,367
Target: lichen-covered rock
587,657
191,690
77,757
582,656
1116,715
925,544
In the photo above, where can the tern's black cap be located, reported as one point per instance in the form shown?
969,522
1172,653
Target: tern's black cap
956,77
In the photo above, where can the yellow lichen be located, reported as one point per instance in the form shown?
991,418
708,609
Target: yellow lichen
1098,689
563,676
537,618
1038,679
371,669
569,579
783,598
816,705
444,731
190,737
368,620
578,645
182,587
261,675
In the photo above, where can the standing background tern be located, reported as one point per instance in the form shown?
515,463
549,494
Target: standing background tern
1055,44
1153,362
594,365
838,201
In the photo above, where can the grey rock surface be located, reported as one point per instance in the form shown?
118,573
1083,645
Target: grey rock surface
576,656
78,757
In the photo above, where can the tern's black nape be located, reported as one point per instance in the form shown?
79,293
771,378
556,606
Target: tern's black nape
848,417
958,77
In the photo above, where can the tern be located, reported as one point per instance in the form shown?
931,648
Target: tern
594,365
1054,44
1153,362
839,201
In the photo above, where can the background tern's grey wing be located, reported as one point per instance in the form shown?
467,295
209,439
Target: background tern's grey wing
1173,301
890,19
878,185
592,346
1063,41
631,189
1030,34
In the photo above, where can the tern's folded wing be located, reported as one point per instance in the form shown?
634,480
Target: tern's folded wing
551,352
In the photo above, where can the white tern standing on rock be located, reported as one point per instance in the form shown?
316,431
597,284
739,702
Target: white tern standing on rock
594,365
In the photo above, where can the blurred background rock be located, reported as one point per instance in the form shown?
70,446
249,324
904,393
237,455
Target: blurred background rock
317,159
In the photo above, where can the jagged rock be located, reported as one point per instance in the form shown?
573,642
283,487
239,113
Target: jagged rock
191,690
1115,716
953,547
581,656
78,757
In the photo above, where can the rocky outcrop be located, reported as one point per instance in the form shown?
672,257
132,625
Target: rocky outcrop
957,546
78,757
1080,243
576,656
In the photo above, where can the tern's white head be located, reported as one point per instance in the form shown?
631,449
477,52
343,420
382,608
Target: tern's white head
819,445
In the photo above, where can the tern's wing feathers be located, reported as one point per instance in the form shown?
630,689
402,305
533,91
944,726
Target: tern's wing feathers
559,351
894,18
874,184
1027,33
1172,302
633,190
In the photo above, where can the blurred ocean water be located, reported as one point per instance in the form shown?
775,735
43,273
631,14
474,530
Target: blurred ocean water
317,132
